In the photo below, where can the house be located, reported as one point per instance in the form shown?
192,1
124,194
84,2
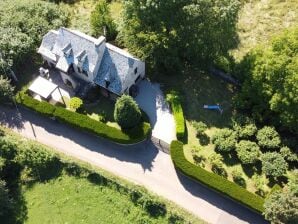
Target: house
77,55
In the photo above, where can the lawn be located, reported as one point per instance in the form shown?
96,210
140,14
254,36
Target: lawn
76,200
259,20
81,11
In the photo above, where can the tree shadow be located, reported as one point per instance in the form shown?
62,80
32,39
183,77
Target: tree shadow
251,169
10,117
203,139
230,159
281,181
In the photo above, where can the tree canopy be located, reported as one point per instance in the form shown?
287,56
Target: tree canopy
23,23
170,34
270,81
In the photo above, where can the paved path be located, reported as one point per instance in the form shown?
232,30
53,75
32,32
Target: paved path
151,100
142,164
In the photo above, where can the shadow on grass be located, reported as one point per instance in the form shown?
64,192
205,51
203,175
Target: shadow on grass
250,170
203,139
281,181
230,159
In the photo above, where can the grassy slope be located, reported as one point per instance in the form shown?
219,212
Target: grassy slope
261,19
76,200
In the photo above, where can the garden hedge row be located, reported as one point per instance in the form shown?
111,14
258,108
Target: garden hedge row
179,117
214,181
84,122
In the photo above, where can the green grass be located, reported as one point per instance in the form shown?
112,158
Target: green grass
260,20
76,200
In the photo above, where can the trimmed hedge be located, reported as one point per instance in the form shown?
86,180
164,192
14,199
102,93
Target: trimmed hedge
214,181
86,123
176,106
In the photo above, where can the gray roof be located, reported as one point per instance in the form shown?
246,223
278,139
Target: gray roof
47,44
76,42
114,68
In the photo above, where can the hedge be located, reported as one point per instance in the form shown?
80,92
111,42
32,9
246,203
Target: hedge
175,104
214,181
86,123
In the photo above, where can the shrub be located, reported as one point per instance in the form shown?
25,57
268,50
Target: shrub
174,100
214,181
6,203
273,164
248,152
127,113
238,179
199,126
247,131
6,90
288,154
259,185
224,140
153,207
75,103
268,138
217,164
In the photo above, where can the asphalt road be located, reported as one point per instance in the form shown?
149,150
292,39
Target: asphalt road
142,164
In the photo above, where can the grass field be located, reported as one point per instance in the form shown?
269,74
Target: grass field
76,200
259,20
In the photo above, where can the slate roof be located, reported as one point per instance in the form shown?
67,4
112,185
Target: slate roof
114,68
47,45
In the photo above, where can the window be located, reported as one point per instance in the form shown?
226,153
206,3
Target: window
85,73
136,71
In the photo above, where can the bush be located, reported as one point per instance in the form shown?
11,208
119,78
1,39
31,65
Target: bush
216,162
6,90
214,181
273,164
153,207
238,179
268,138
174,100
288,154
248,152
259,185
224,140
199,126
75,103
247,131
127,113
6,203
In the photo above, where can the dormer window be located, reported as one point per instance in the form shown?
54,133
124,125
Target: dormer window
67,51
136,71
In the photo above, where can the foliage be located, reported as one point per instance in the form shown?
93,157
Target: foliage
288,154
6,90
270,81
84,122
75,103
281,207
224,140
247,131
174,99
273,164
237,178
259,184
248,152
23,23
293,183
268,138
214,181
102,22
169,34
216,162
6,203
199,126
127,113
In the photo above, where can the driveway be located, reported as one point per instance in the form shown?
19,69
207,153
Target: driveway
152,101
142,164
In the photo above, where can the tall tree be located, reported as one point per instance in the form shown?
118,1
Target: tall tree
170,34
6,90
270,81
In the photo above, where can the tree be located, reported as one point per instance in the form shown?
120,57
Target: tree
281,207
268,138
270,81
247,131
6,90
170,34
288,154
224,140
23,24
248,152
75,103
6,203
273,164
102,22
127,113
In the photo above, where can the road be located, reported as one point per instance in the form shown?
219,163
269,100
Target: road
142,164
